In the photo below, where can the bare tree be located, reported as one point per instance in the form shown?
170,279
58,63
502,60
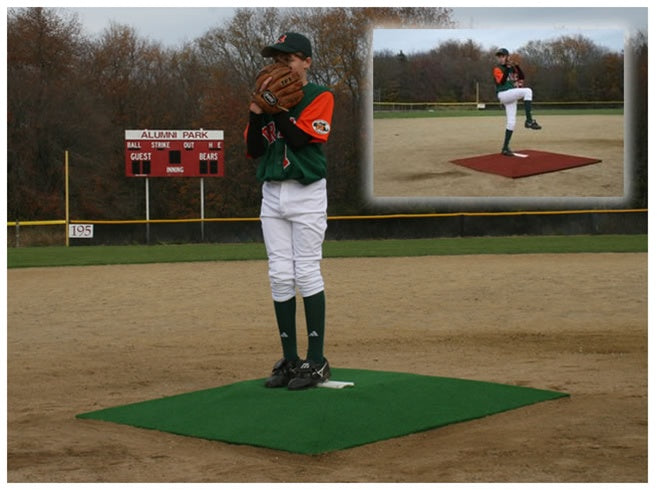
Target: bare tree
43,52
236,47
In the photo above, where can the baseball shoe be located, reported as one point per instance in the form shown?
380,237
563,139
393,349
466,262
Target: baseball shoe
310,374
282,372
532,124
507,152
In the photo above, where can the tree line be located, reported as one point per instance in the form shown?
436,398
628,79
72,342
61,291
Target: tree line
67,91
568,68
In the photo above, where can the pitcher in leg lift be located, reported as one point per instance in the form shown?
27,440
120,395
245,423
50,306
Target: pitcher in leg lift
510,88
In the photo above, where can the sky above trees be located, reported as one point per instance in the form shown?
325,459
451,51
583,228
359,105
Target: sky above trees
175,25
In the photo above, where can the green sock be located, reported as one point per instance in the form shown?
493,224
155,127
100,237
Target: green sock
286,312
507,139
528,110
315,308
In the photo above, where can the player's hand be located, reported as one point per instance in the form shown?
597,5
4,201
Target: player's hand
255,108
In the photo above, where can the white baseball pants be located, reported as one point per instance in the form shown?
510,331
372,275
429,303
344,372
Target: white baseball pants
293,218
509,98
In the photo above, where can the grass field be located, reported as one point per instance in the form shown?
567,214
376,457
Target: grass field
474,113
141,254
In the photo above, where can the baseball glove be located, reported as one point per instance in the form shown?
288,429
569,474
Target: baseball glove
282,88
518,76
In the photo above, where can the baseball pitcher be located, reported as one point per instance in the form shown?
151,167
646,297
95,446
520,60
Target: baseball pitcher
510,88
289,121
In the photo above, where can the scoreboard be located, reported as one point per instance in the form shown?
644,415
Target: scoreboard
174,153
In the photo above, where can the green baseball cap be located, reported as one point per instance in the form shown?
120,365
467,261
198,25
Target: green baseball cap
290,42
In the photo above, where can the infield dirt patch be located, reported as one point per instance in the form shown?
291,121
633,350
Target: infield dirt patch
412,157
85,338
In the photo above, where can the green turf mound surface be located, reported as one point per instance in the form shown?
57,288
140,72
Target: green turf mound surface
381,405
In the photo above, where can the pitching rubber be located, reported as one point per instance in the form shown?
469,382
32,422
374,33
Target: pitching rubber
338,385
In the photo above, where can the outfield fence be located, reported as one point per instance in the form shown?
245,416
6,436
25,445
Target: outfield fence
491,105
431,225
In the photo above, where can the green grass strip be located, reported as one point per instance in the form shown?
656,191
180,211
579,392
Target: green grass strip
474,113
144,254
489,245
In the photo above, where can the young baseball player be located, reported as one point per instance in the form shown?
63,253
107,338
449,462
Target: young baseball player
509,85
292,168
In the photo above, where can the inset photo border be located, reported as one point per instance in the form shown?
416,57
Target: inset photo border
434,104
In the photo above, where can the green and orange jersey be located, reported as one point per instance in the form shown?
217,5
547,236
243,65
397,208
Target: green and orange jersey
313,115
506,77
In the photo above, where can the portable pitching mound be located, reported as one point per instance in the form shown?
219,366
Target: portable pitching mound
525,163
371,406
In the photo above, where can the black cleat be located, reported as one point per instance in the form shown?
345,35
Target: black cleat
507,152
282,372
532,124
310,374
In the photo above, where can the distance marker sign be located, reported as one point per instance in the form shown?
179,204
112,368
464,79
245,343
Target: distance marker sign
174,153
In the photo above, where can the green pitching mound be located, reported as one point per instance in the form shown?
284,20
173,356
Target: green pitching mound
380,405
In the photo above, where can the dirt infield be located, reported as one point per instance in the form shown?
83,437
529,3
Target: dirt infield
411,157
85,338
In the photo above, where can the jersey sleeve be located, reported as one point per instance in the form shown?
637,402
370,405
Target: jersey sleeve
498,74
315,119
254,137
246,139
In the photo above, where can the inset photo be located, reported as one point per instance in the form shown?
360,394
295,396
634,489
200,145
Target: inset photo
473,113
